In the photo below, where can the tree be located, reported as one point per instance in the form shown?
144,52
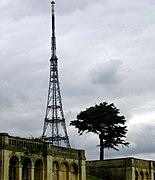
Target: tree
105,121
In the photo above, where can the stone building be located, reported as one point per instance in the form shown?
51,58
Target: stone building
26,159
122,169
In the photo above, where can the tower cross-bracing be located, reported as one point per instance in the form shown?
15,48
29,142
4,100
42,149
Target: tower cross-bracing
54,130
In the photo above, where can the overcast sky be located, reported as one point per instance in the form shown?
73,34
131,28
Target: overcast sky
106,51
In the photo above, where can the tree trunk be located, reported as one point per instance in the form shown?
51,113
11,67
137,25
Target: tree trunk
101,148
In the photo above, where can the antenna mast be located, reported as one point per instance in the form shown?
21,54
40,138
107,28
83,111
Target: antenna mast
54,130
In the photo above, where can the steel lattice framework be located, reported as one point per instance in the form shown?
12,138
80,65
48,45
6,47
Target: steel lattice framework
54,130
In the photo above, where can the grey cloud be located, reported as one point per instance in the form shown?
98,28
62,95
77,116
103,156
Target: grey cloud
22,9
73,5
90,34
141,138
142,141
106,73
19,10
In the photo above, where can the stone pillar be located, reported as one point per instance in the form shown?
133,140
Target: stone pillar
82,170
32,172
49,169
20,171
133,173
129,169
2,165
59,173
4,157
151,171
82,165
69,175
5,164
43,173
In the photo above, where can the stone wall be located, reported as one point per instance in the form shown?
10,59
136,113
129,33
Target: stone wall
122,169
26,159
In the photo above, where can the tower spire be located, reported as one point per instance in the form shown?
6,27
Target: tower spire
53,38
54,130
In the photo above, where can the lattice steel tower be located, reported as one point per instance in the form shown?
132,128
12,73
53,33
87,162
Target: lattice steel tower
54,130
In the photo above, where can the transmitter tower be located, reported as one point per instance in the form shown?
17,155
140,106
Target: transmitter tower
54,130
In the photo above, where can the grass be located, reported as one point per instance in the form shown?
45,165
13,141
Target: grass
89,177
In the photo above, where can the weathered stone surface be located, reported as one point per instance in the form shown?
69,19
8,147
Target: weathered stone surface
122,169
26,159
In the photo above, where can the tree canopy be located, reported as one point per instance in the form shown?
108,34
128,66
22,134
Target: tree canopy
105,121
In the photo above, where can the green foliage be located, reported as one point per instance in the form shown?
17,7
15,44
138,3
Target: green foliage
104,120
42,147
89,177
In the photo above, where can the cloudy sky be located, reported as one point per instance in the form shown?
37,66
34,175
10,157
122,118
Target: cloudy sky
106,53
